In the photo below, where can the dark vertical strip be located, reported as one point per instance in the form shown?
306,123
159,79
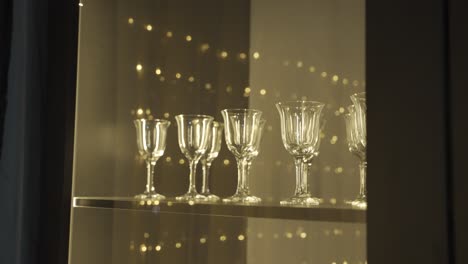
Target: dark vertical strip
407,173
448,135
458,96
5,42
58,106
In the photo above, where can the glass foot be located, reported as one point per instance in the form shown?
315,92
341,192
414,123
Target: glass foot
304,200
211,197
191,196
242,198
358,203
150,196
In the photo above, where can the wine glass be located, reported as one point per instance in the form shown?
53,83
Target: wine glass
214,145
300,132
193,131
243,132
356,147
151,143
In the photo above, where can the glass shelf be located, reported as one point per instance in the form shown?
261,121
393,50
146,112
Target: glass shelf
265,210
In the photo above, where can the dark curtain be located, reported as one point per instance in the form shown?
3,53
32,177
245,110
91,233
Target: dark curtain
37,85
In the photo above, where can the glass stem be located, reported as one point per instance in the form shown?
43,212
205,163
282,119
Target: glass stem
362,179
243,171
193,171
305,181
299,175
206,175
150,176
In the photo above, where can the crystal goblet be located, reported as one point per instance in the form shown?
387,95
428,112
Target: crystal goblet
151,143
356,147
214,146
193,133
243,132
300,132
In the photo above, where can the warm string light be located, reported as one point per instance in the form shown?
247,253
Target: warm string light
255,55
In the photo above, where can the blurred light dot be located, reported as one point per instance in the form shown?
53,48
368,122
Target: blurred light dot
148,111
285,63
162,78
169,203
303,235
355,83
80,4
203,240
324,74
166,115
178,75
256,55
208,86
333,200
299,64
342,110
191,203
181,161
204,47
158,248
226,162
149,27
191,79
345,262
178,245
130,20
335,78
156,202
229,89
262,91
132,112
169,34
327,169
333,140
145,235
338,170
158,71
242,56
289,235
140,111
150,248
149,202
142,202
241,237
188,38
168,159
345,81
311,69
259,235
139,67
223,54
222,238
143,248
247,90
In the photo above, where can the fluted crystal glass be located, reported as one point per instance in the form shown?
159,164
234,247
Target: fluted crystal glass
193,133
243,133
214,146
151,143
300,132
356,147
